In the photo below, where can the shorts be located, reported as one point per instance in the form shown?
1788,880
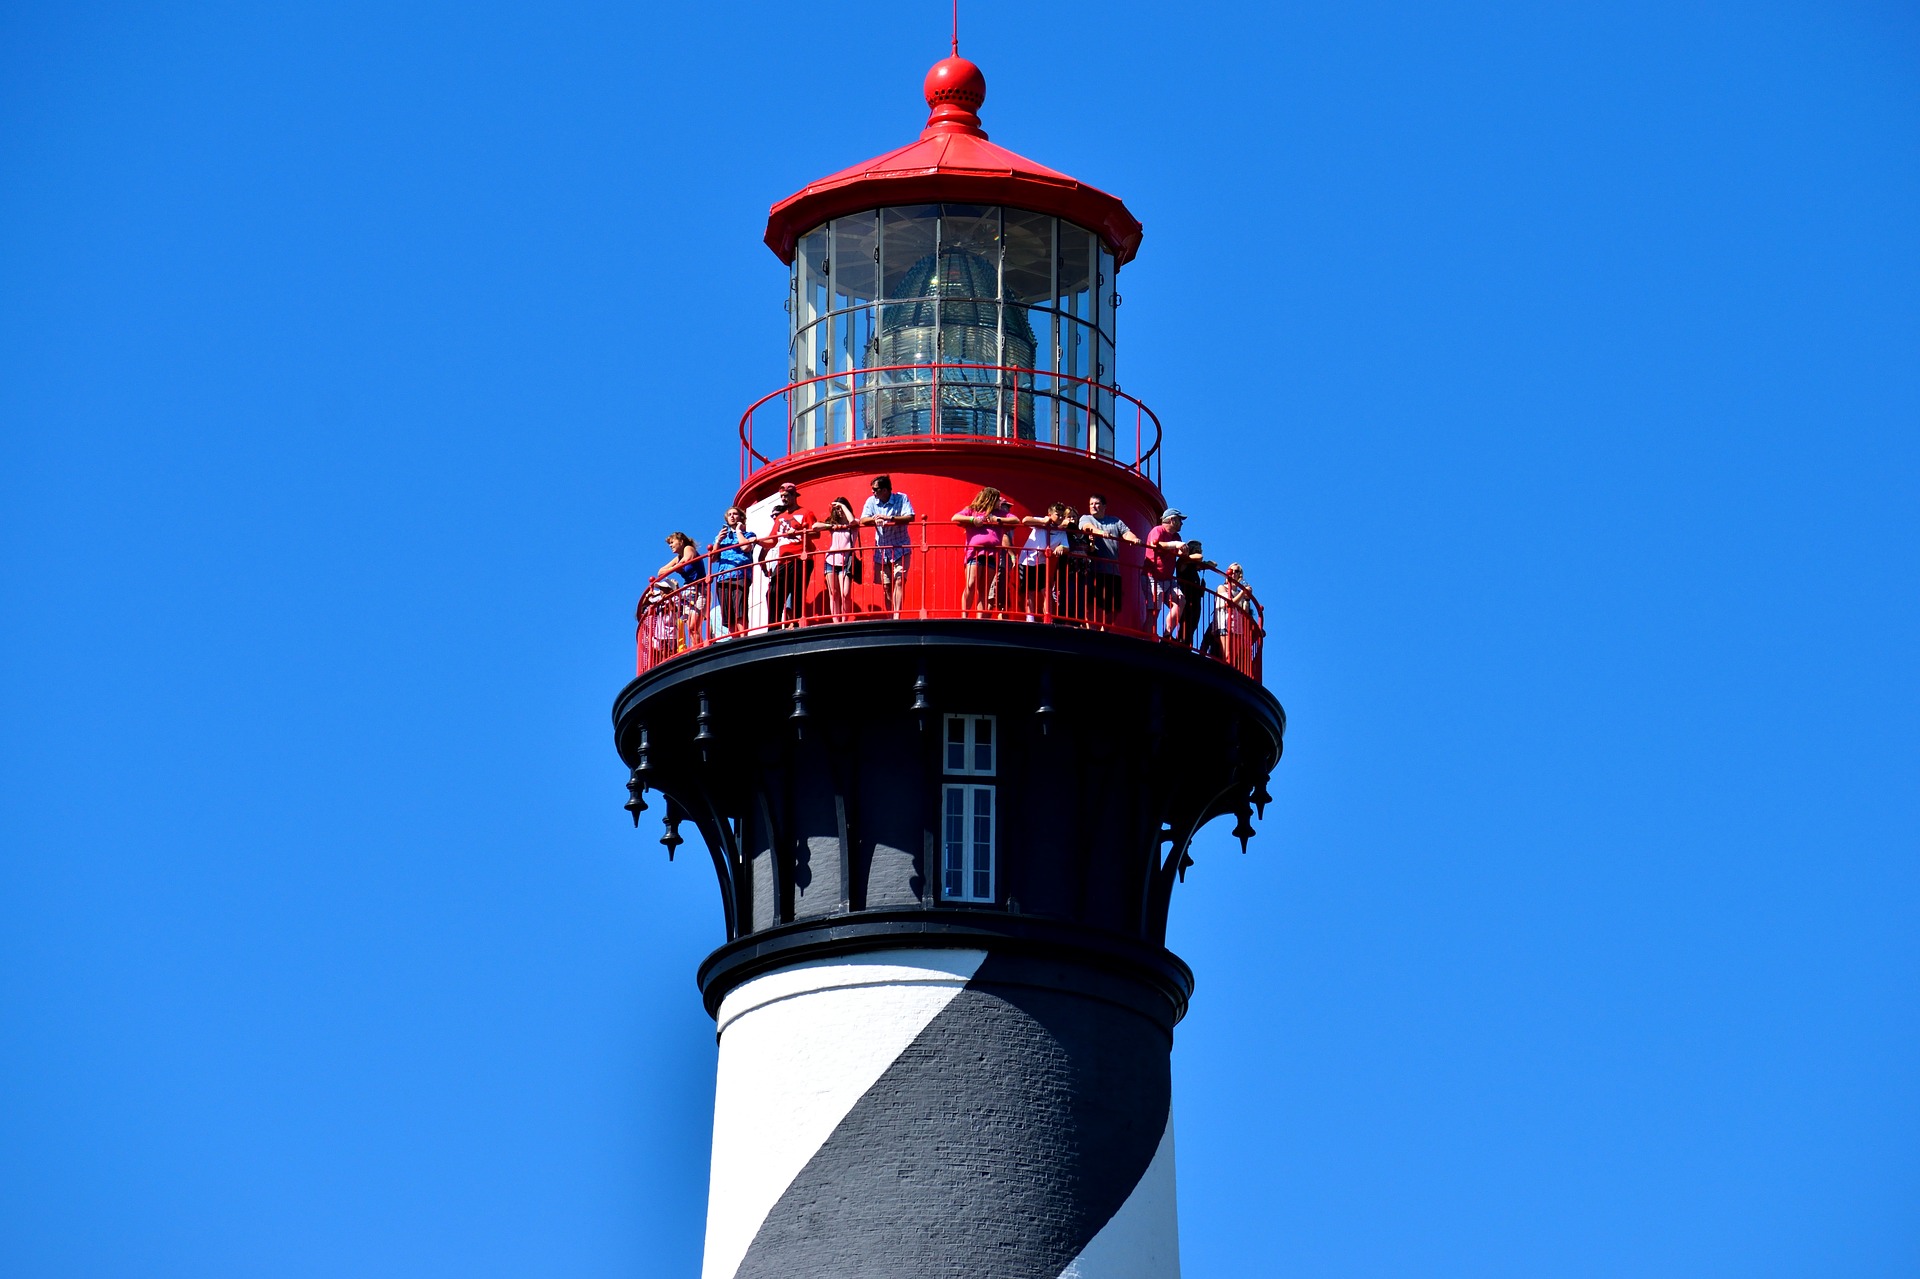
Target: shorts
976,554
896,559
1164,592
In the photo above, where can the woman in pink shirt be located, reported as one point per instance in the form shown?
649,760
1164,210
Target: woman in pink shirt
841,530
985,516
1239,619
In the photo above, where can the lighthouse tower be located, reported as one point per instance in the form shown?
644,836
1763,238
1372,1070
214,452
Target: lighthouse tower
947,771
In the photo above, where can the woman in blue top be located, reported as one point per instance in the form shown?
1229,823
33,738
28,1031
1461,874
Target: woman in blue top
732,553
676,583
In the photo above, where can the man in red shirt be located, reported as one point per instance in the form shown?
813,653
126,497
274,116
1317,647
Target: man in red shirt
792,528
1163,550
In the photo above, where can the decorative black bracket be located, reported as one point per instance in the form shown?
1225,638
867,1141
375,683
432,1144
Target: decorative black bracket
636,801
703,727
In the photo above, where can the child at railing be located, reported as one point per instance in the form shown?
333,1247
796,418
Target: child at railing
1041,560
841,548
660,625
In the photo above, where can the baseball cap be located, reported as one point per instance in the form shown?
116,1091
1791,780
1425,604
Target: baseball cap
1171,514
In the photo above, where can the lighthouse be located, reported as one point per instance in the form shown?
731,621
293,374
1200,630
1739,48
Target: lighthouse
947,718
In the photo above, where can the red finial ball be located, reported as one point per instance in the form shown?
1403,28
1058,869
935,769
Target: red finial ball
955,90
957,81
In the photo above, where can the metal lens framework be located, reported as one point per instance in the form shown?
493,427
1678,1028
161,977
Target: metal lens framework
1019,306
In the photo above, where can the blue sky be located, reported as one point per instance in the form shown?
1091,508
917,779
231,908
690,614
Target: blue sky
1552,368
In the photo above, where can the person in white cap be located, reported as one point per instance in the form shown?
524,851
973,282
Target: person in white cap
792,526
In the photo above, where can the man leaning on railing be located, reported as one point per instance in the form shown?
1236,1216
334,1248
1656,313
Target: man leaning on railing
1104,535
890,513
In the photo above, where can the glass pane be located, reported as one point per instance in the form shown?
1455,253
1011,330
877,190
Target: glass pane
810,267
808,420
1028,269
955,880
856,259
956,744
1075,288
983,842
906,242
856,283
970,233
968,283
983,745
905,334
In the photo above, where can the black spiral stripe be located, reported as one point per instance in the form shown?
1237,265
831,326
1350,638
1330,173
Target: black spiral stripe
998,1144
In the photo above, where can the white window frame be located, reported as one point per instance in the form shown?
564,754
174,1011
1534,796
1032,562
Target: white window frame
970,746
969,820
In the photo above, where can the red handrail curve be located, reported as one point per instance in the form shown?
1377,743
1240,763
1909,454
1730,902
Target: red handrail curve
1146,463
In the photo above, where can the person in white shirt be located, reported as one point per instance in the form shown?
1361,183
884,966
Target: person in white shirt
890,513
1041,562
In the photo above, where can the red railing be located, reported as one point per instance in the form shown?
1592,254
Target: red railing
938,576
850,409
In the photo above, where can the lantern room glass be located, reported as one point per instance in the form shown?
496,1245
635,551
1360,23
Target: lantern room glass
1022,301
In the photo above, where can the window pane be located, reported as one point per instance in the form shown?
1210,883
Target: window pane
968,284
983,745
955,877
907,242
1029,258
856,259
983,842
1075,295
956,744
905,333
810,268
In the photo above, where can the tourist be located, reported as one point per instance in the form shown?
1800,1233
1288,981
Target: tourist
841,550
791,567
685,555
1075,581
1188,592
1041,560
1104,535
731,556
1163,546
890,513
659,617
985,516
1239,620
681,576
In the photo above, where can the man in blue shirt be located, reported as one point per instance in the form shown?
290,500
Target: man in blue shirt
890,513
731,563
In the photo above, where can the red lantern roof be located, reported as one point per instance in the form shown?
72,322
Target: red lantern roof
953,163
